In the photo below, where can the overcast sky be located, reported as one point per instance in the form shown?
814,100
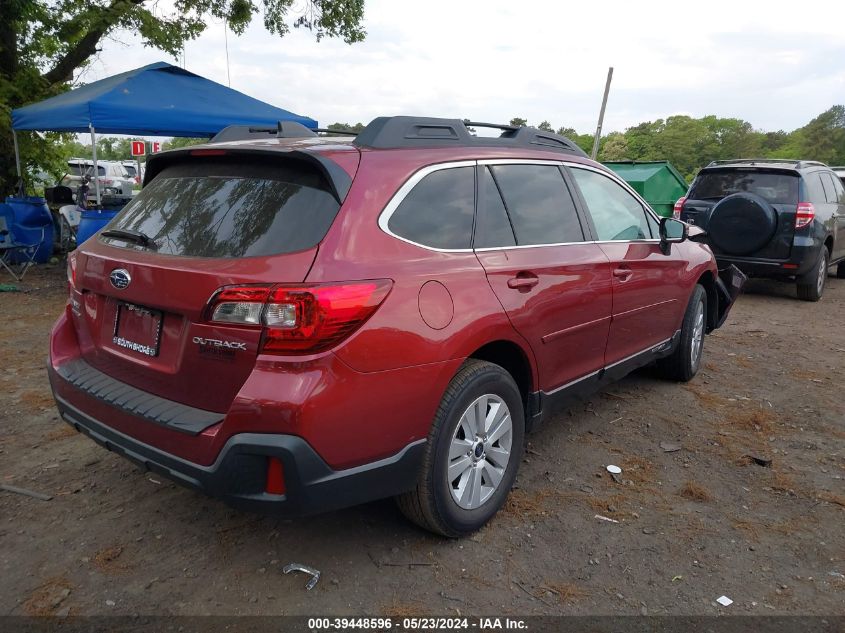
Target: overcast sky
775,64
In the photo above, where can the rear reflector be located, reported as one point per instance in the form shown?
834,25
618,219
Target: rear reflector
804,214
679,206
299,318
208,152
275,477
790,266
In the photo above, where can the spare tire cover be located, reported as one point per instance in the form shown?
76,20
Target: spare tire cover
742,223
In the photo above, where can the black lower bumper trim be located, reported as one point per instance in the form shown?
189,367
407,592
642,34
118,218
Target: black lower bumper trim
173,415
238,476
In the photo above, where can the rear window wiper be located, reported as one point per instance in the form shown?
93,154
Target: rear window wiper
129,235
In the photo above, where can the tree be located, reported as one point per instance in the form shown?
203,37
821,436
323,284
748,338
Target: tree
546,127
346,126
519,122
43,42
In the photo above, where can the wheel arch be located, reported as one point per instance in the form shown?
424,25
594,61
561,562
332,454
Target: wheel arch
514,359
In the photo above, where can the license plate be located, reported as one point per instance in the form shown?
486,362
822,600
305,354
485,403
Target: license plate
137,328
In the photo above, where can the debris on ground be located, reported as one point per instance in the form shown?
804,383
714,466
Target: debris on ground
760,461
670,447
27,493
314,573
608,519
9,288
724,601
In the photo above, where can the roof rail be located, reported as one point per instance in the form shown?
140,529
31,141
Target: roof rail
408,131
283,129
797,163
341,131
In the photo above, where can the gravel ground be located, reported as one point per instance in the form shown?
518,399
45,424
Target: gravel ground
689,525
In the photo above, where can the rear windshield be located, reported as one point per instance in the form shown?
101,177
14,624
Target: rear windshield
776,187
130,169
209,208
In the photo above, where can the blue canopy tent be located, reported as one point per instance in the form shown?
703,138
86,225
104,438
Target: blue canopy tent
155,100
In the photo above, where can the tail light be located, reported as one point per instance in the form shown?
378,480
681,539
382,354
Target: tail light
679,206
299,318
106,181
805,213
71,270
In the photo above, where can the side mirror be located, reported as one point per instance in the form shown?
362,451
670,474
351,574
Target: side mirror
672,231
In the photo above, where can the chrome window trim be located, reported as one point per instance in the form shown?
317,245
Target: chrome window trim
403,192
416,177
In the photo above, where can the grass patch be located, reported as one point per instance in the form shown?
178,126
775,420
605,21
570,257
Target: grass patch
695,492
758,421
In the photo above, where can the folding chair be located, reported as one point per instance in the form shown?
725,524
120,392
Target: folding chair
16,257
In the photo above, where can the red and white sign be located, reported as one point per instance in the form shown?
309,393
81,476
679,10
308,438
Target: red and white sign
155,146
139,148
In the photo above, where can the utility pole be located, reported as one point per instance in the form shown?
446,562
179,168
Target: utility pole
601,114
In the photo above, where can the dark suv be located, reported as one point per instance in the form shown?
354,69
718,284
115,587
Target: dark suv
301,324
782,219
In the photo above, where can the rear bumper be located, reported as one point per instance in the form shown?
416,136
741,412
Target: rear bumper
238,475
803,258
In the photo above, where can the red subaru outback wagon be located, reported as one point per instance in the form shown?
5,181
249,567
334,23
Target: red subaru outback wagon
295,323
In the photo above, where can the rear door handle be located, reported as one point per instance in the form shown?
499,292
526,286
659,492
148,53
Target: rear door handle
622,273
523,281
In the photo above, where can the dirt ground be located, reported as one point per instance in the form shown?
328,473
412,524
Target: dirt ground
689,525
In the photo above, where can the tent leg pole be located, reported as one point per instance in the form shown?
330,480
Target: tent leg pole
96,171
17,156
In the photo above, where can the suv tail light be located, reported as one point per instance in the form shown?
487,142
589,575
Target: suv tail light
679,206
805,212
71,270
299,318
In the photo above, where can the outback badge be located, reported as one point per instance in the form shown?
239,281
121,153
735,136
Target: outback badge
120,278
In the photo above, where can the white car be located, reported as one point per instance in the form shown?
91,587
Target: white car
115,182
131,168
840,171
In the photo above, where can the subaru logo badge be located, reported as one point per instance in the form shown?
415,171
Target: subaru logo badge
120,278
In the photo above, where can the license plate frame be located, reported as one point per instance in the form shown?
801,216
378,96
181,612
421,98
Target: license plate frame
148,348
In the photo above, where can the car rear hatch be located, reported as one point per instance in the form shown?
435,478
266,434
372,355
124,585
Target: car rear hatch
206,219
779,187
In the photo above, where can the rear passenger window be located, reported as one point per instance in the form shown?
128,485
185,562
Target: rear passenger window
830,192
616,214
840,190
539,204
439,210
815,191
493,227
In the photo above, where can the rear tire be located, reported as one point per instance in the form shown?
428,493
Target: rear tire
684,362
468,468
811,285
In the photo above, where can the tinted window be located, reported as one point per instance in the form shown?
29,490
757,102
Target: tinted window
539,204
616,214
840,190
493,228
438,211
830,192
814,189
130,171
218,209
776,187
